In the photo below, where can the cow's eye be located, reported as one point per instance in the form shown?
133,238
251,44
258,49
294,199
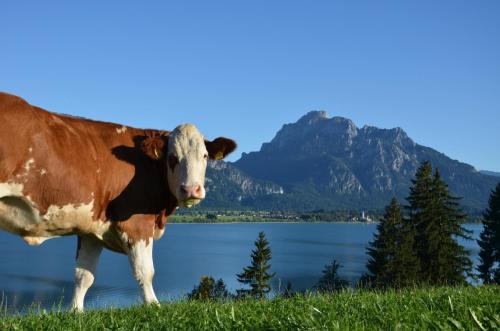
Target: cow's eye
172,161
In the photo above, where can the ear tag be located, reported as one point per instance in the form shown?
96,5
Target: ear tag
157,154
219,155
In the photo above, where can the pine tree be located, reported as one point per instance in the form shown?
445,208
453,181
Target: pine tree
220,291
406,261
204,290
453,262
393,261
331,281
420,214
383,247
257,274
209,289
437,218
489,241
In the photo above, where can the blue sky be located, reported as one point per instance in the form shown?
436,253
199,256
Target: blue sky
244,68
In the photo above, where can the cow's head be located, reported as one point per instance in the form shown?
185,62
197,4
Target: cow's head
185,153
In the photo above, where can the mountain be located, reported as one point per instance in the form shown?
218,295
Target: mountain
230,188
490,173
328,163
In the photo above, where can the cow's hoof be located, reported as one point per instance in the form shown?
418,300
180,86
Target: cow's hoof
75,309
153,303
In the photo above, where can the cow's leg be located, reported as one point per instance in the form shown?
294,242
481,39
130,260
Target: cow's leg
87,254
140,255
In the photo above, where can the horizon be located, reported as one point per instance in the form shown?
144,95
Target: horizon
244,70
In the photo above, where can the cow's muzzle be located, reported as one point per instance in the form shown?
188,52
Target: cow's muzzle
188,203
190,195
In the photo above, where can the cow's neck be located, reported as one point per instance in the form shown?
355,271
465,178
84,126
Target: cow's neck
170,208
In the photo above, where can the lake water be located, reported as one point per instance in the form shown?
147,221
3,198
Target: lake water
44,274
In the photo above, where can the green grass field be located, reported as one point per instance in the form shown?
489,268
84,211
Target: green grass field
462,308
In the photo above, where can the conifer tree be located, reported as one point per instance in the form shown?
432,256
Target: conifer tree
331,281
220,291
204,290
452,259
209,289
489,241
257,274
437,218
406,261
419,211
393,261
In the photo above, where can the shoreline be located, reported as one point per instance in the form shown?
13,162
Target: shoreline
274,222
290,222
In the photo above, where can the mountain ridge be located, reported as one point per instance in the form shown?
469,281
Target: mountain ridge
322,162
490,173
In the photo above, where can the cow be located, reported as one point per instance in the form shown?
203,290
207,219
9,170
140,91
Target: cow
113,186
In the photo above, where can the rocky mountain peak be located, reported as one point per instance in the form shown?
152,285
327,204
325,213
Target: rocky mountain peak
312,127
313,116
328,161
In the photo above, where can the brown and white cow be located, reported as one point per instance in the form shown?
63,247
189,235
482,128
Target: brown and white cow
111,185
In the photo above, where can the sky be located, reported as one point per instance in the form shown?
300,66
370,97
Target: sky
242,69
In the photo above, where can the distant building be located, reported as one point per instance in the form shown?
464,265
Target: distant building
365,218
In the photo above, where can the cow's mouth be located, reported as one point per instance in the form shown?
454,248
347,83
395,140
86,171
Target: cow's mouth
190,202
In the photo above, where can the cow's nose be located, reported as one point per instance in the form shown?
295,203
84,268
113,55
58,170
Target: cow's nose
191,191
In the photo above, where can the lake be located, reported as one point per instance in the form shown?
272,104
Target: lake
44,273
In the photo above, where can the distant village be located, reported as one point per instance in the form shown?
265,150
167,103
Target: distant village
281,216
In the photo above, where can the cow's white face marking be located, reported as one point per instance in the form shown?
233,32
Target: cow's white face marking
121,130
186,165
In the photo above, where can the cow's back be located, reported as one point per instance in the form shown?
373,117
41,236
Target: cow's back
55,157
57,172
17,120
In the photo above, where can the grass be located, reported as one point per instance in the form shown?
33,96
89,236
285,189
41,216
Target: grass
461,308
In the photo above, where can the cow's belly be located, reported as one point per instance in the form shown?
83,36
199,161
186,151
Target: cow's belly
19,216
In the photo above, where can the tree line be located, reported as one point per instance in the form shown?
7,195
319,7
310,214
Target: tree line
415,244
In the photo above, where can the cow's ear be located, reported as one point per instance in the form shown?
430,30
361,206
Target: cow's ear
220,148
154,147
